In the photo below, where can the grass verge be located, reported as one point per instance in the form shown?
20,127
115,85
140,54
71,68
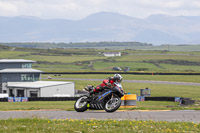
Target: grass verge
69,106
97,126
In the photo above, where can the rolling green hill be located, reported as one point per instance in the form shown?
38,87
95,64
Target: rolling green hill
78,59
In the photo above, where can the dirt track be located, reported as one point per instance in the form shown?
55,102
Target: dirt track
184,115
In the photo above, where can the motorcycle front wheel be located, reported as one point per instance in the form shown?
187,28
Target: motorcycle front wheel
81,104
113,104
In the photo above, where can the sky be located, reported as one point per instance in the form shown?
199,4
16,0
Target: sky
78,9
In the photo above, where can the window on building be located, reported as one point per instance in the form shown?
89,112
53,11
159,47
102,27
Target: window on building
0,87
27,65
27,77
20,93
4,91
11,93
33,94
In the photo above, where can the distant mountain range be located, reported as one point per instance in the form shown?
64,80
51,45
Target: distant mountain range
103,26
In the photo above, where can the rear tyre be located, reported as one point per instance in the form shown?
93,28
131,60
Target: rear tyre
113,104
81,104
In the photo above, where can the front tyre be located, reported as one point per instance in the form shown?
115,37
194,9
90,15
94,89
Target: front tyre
81,104
113,104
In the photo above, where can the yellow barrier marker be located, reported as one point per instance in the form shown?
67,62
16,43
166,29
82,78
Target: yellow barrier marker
129,101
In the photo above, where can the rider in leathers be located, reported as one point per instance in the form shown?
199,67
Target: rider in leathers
106,83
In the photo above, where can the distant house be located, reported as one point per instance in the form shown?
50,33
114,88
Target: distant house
112,54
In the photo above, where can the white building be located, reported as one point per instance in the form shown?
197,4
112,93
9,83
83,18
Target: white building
19,79
112,54
41,89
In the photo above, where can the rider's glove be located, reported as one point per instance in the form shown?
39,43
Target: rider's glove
109,84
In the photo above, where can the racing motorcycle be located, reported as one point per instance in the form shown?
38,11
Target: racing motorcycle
109,99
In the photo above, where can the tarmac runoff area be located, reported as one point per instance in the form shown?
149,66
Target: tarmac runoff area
161,115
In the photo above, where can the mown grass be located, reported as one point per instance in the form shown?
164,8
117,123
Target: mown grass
156,89
148,56
134,66
176,78
69,106
64,59
13,54
97,126
180,68
37,105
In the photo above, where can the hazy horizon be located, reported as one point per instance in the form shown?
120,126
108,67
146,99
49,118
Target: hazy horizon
79,9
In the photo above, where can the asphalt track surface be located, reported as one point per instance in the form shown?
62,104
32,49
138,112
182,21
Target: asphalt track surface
172,116
138,81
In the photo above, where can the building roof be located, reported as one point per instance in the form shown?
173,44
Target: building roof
36,84
20,70
112,52
16,61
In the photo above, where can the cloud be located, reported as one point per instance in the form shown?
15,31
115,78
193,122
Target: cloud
77,9
7,8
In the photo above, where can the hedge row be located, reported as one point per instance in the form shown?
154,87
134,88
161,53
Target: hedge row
160,99
45,99
52,98
183,101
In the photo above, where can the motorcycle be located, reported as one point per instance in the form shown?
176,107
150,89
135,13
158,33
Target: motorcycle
109,99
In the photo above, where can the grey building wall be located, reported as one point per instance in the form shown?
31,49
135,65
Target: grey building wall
10,65
26,92
16,65
11,78
0,78
16,77
0,87
51,91
0,83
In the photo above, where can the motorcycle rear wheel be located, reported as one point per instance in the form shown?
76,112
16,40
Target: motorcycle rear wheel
113,104
81,105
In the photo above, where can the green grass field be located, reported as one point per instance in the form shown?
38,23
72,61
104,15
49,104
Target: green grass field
95,126
61,105
156,89
177,78
59,60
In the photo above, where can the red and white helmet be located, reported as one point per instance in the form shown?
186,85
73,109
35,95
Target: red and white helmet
117,78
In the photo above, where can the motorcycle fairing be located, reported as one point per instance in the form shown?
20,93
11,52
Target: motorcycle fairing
104,95
99,103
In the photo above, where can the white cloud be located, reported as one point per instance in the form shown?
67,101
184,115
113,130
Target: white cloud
7,8
76,9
